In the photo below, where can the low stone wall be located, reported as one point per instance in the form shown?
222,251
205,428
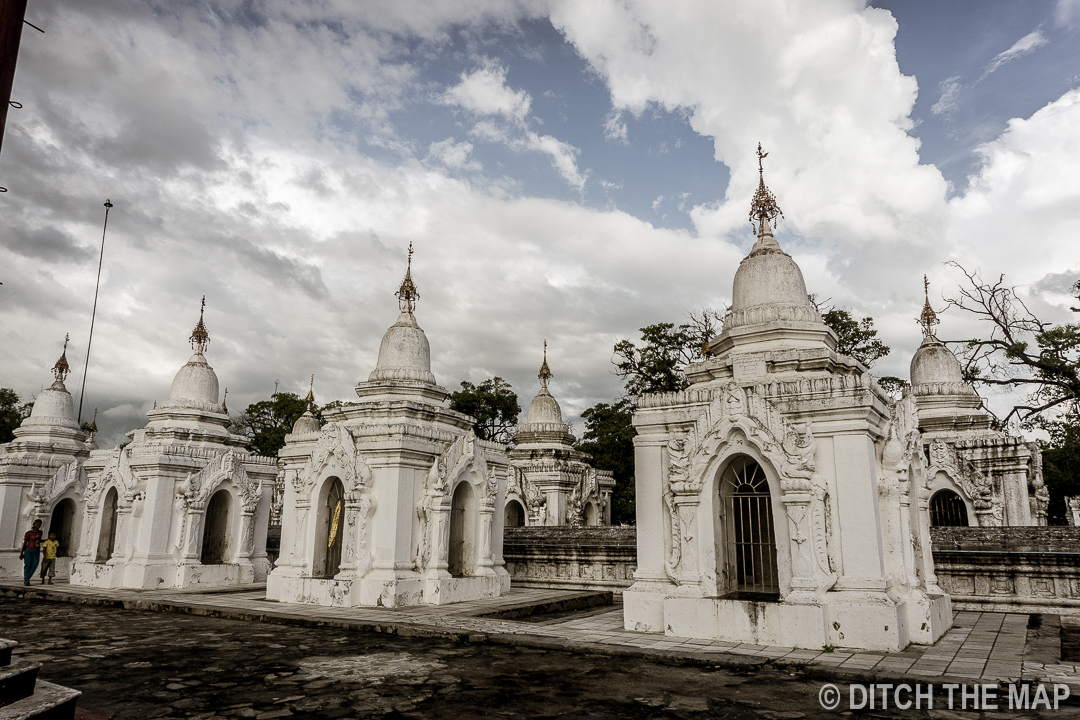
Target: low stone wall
998,569
1009,569
592,558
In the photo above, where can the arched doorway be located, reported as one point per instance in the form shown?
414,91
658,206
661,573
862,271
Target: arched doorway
747,525
459,558
107,535
62,523
328,540
947,509
590,515
515,514
215,539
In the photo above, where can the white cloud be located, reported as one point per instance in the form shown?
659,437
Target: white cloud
454,155
1067,13
950,90
615,128
485,92
819,86
1024,46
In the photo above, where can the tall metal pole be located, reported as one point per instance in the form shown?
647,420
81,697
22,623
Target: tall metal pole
11,22
93,314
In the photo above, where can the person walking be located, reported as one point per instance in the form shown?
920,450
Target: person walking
31,551
48,557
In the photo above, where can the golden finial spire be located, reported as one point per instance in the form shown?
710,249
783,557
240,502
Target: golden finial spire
61,368
763,208
310,399
928,318
93,423
224,407
407,294
200,338
545,371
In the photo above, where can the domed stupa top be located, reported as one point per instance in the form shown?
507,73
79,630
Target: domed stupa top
308,423
934,368
404,353
544,409
768,285
55,407
196,384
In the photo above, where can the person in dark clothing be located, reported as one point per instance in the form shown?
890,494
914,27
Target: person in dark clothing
31,551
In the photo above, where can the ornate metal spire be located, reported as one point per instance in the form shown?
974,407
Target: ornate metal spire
224,407
93,424
200,338
310,399
61,368
928,318
407,294
763,209
545,371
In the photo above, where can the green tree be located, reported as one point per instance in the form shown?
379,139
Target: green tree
858,339
493,404
1061,464
656,366
267,422
12,412
609,438
1019,350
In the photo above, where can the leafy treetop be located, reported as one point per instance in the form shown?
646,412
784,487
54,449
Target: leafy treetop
493,404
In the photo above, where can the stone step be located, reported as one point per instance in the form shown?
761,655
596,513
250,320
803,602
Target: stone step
6,646
17,681
49,702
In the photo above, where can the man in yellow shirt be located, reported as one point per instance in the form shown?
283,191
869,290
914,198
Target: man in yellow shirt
48,562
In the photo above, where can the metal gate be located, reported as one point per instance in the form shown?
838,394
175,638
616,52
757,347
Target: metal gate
215,540
947,509
107,536
335,501
456,551
750,545
62,523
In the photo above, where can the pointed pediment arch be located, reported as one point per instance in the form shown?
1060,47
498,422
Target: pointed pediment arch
740,412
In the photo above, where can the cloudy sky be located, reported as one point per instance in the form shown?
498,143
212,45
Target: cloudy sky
569,170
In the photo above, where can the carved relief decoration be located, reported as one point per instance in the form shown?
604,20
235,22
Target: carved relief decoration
67,476
978,487
335,444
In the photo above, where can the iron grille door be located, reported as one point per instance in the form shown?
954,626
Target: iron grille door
750,552
947,509
215,540
335,502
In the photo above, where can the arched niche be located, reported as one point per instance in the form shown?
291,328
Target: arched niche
461,555
329,519
947,509
592,517
62,522
216,525
107,533
514,515
748,561
943,482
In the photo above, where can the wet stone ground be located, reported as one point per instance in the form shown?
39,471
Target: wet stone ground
136,664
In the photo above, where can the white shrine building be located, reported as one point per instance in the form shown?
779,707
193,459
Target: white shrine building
183,503
781,498
42,476
979,475
394,501
553,483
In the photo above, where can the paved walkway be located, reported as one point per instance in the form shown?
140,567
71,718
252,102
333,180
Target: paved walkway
980,647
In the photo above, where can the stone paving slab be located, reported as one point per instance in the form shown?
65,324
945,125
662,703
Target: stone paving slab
980,646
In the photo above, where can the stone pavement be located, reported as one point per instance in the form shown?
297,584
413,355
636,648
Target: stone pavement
986,647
